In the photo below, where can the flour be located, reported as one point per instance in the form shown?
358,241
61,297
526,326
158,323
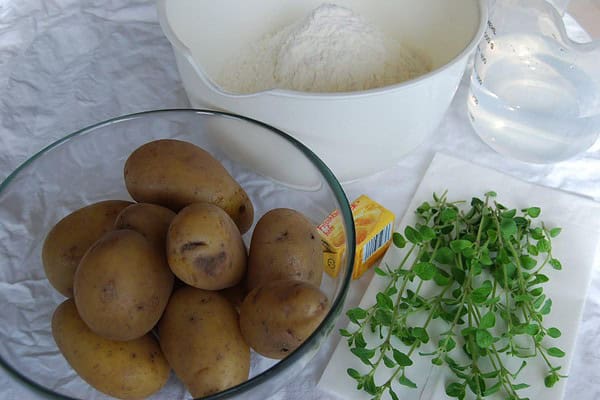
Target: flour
331,50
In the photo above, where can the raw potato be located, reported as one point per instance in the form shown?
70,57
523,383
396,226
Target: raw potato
201,339
127,370
279,316
70,238
151,220
284,245
122,286
175,174
205,248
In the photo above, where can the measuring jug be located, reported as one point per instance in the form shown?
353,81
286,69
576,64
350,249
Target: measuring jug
534,93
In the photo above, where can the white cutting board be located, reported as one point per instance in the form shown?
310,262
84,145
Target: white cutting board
577,247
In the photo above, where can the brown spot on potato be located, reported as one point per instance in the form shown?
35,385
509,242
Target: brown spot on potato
211,264
282,236
109,292
191,246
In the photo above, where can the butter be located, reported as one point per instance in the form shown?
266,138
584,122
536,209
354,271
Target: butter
373,224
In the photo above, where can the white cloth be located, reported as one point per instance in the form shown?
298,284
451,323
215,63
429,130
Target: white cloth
65,64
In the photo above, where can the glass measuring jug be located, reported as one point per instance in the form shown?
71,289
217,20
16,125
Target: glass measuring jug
534,93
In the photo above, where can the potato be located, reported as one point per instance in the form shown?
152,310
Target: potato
127,370
151,220
284,245
205,248
175,174
201,339
279,316
70,238
122,285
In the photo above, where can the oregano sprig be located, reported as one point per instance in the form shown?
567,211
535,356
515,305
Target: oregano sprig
485,263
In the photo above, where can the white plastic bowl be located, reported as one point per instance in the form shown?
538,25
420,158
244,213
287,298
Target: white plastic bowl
355,133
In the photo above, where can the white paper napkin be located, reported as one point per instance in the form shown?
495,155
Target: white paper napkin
577,247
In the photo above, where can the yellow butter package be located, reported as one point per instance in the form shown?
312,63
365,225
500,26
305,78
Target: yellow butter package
373,224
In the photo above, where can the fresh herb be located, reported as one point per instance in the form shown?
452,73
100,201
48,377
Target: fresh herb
480,270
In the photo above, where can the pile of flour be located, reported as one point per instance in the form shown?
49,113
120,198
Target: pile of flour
331,50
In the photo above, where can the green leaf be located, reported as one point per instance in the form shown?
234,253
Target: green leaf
427,233
532,329
537,233
458,246
359,340
554,263
388,362
384,301
403,380
412,235
354,374
492,389
437,361
483,338
492,235
456,390
398,240
531,249
356,314
458,275
345,333
447,344
448,215
488,320
491,193
383,316
380,272
550,380
424,270
402,359
441,277
556,352
363,354
509,213
546,308
554,333
421,334
537,303
543,246
534,212
527,262
444,255
508,227
554,232
520,386
370,386
393,395
479,295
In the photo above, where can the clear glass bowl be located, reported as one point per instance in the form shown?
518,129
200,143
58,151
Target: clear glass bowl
86,167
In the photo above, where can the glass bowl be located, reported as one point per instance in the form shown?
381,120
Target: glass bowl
86,167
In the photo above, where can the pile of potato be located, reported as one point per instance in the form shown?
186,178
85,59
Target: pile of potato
157,283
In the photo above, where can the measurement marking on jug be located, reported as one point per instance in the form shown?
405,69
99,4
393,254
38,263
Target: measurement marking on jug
492,27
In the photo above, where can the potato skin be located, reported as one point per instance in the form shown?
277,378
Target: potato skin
70,238
127,370
276,318
122,286
200,337
205,248
284,245
151,220
175,174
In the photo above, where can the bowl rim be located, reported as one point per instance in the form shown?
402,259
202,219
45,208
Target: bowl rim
334,185
185,51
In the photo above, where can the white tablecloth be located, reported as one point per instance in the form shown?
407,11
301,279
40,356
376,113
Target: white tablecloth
65,64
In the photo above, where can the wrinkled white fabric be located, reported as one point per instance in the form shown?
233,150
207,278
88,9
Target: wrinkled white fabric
66,64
